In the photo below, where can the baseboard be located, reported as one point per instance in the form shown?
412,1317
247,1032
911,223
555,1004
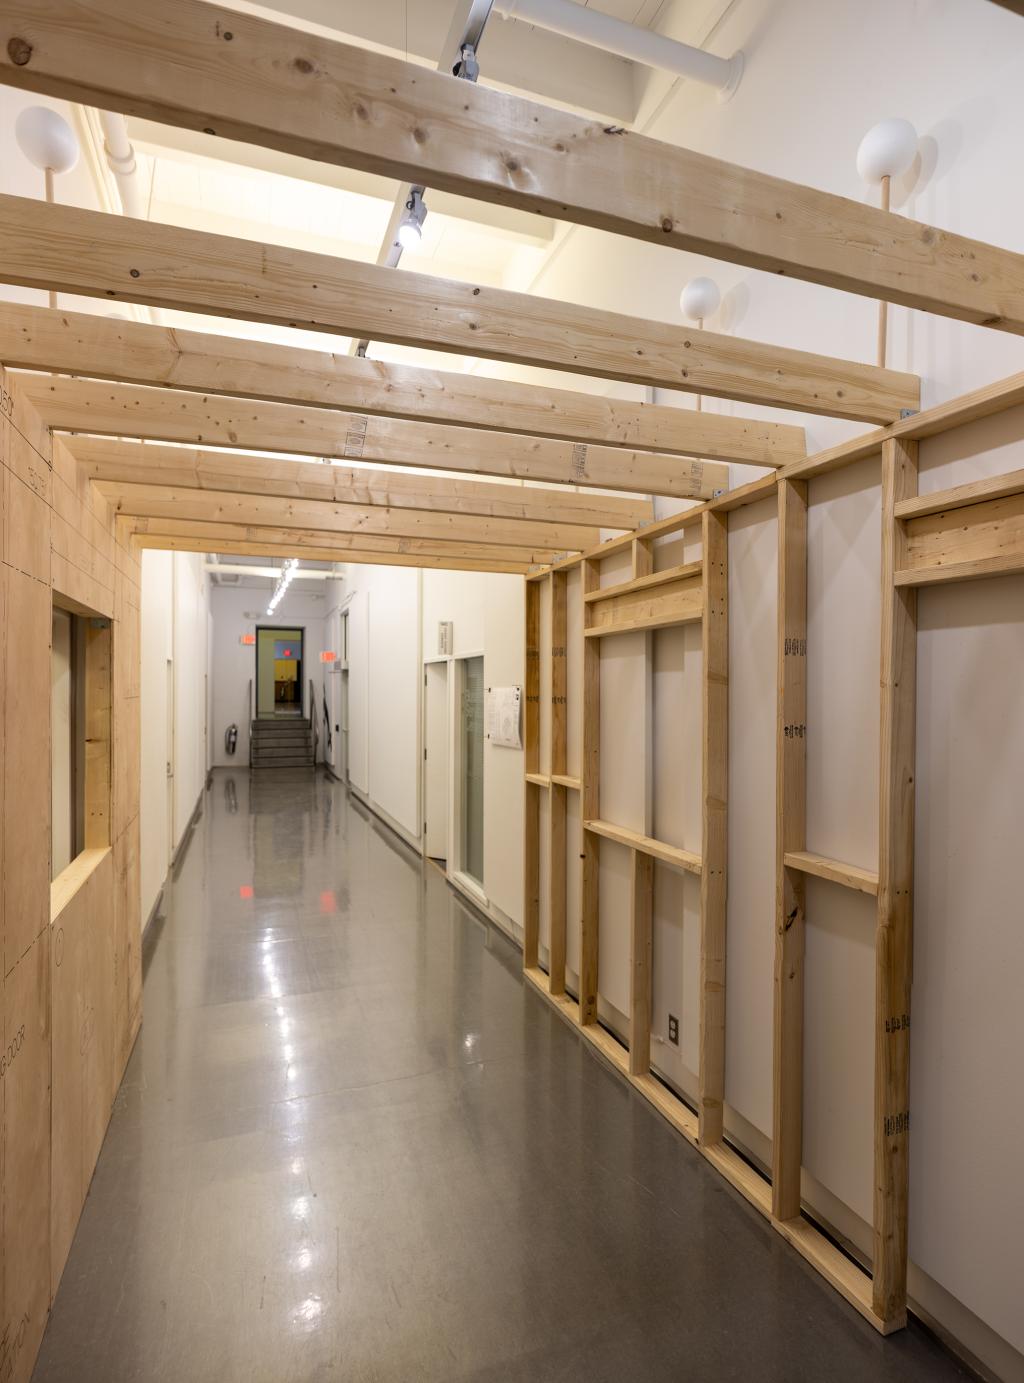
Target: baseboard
186,835
154,910
486,908
403,834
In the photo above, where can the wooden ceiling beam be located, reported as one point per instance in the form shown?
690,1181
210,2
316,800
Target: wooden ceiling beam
167,415
80,343
117,258
104,458
310,515
246,78
258,540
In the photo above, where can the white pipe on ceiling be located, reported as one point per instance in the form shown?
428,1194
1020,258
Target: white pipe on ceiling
628,41
121,157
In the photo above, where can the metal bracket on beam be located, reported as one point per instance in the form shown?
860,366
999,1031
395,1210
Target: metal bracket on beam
467,67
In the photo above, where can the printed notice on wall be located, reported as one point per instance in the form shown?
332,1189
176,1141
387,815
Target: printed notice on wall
503,711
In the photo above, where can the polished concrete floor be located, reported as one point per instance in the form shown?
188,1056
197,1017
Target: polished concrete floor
351,1145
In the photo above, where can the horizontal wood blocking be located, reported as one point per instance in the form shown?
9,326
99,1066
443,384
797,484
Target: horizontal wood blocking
315,97
643,583
311,515
193,535
849,875
963,544
961,496
80,343
118,258
646,603
107,459
647,845
839,1271
539,780
565,780
125,410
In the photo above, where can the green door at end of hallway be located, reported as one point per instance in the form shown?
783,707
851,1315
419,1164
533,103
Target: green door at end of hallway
278,672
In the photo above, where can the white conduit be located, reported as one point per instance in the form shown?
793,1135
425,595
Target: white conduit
627,41
121,158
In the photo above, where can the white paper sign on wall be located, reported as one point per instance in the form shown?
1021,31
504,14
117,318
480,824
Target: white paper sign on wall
503,716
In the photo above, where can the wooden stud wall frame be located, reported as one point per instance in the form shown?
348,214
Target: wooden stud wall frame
964,533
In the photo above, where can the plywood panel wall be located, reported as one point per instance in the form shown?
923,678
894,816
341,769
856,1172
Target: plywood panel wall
71,983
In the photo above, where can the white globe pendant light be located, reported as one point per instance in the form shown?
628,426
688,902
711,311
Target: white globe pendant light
46,139
887,150
700,299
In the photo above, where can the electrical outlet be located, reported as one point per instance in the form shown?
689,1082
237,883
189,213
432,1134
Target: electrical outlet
673,1029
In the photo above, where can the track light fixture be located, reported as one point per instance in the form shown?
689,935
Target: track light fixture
410,229
283,582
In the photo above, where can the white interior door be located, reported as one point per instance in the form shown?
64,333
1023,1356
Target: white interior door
435,768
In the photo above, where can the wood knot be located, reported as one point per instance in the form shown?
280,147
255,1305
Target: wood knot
19,51
666,224
419,135
512,165
303,65
134,273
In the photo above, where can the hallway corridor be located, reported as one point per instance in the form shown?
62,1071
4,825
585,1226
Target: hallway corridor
352,1145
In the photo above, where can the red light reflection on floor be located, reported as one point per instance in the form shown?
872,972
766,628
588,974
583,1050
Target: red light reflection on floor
245,891
328,902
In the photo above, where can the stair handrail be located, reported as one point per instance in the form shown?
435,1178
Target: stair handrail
249,726
313,721
328,737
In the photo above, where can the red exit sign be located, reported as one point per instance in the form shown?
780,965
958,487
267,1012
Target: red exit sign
326,657
247,638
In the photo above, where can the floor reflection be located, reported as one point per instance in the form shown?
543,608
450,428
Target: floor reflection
351,1146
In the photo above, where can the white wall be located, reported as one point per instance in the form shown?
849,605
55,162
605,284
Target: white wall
487,612
237,610
190,686
174,633
385,675
394,613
